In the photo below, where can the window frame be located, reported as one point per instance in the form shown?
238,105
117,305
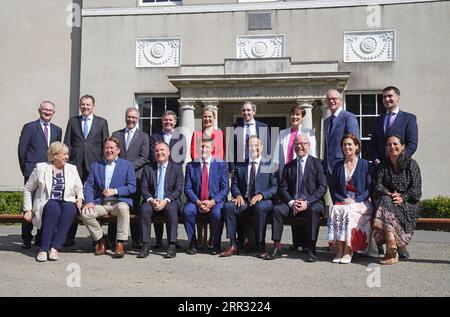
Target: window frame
151,118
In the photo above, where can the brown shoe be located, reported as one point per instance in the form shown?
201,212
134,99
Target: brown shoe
119,253
100,248
391,257
229,252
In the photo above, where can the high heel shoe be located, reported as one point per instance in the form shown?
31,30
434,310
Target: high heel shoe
391,257
346,259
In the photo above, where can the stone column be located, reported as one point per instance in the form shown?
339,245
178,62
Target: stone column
214,106
307,105
187,122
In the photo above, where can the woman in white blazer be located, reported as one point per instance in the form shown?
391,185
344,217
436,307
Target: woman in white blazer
56,190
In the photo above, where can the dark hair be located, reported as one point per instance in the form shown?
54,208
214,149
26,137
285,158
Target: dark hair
112,139
297,107
355,140
402,160
88,96
395,89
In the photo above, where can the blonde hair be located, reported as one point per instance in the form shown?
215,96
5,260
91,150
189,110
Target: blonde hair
56,148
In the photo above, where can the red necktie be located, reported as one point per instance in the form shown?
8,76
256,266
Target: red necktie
204,195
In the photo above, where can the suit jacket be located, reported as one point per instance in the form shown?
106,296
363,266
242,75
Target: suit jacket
361,179
265,182
314,177
281,147
405,125
173,182
33,147
40,185
137,150
262,131
345,122
177,146
218,150
85,151
217,181
123,179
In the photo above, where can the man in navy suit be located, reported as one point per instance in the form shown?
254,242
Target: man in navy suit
109,189
84,137
394,121
302,188
178,149
335,126
254,185
206,189
35,138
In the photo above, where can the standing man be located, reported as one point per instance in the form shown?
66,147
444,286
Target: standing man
206,190
161,187
394,121
84,137
177,147
35,138
134,147
302,189
335,126
109,188
253,187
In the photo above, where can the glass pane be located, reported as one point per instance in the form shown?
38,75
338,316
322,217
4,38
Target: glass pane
156,125
172,104
352,103
366,128
159,106
365,149
368,104
144,125
145,106
381,108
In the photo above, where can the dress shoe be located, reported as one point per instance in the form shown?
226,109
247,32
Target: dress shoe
100,248
215,251
42,256
304,250
391,257
26,245
261,254
293,247
119,252
346,259
403,254
311,256
191,251
229,252
144,252
171,252
68,243
53,255
177,246
337,260
275,254
157,245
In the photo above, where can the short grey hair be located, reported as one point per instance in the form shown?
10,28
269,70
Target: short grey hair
56,148
47,101
132,109
248,102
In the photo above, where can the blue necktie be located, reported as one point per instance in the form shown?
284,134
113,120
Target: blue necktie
331,124
299,194
160,190
85,128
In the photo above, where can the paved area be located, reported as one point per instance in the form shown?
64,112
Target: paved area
80,273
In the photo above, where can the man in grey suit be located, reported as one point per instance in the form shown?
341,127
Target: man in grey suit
134,147
84,137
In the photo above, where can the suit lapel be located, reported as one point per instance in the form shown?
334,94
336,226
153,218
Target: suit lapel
154,176
79,126
41,132
48,179
93,126
102,173
122,140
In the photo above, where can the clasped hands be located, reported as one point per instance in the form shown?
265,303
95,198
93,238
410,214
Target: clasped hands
396,198
205,205
299,206
158,204
239,201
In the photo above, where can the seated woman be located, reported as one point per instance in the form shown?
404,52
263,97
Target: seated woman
57,192
208,118
349,222
397,190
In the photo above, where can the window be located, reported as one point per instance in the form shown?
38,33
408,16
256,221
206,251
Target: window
366,107
151,109
158,2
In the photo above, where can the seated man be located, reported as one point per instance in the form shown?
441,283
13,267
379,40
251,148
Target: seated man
302,188
253,186
108,190
161,187
206,189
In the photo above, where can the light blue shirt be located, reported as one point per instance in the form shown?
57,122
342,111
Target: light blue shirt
88,122
109,171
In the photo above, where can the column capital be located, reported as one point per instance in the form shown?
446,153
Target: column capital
213,103
305,103
186,104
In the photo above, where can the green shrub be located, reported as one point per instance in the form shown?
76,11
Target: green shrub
11,202
438,207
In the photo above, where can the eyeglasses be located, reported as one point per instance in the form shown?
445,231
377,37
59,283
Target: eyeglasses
302,143
333,98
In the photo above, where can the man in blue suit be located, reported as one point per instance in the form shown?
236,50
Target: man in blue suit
108,190
206,189
254,185
335,126
35,138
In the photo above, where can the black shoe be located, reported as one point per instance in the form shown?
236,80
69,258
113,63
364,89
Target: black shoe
144,252
215,251
380,249
136,245
311,257
275,254
171,252
177,246
26,245
157,245
403,254
293,247
191,251
69,243
304,250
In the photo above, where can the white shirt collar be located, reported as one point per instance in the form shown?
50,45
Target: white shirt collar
90,117
42,122
395,111
208,161
338,111
132,130
304,158
163,165
257,160
251,122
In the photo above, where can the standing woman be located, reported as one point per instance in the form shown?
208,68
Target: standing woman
397,192
56,190
349,222
208,131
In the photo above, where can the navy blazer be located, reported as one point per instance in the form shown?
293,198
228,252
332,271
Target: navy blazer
315,181
177,146
123,179
344,123
217,181
33,147
361,179
405,125
265,182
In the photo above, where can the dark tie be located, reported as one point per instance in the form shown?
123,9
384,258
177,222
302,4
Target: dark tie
331,124
251,184
204,190
46,132
299,192
247,135
390,120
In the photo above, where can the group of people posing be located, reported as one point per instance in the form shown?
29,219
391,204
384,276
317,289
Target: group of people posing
92,174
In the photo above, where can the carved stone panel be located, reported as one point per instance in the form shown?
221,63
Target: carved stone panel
369,46
260,46
160,52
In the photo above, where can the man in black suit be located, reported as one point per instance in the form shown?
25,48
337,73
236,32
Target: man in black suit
134,147
35,138
84,137
178,148
254,185
161,187
302,188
